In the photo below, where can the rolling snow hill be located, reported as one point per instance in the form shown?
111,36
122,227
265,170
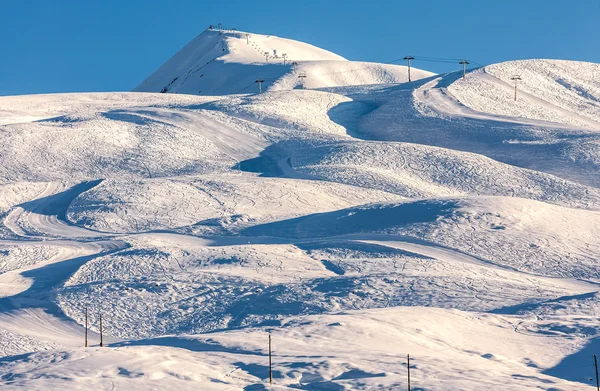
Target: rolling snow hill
355,224
550,90
219,62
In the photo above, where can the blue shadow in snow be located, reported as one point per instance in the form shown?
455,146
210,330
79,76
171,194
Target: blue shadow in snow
136,117
372,249
526,307
45,278
332,267
57,204
193,345
578,367
267,162
370,218
349,115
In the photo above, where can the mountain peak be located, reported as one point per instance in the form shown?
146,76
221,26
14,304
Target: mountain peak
219,62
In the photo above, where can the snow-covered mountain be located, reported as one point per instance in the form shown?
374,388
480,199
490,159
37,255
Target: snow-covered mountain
355,224
219,62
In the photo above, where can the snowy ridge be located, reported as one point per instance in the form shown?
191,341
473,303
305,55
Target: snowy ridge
355,224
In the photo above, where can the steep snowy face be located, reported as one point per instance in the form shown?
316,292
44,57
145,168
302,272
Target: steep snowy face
566,92
230,62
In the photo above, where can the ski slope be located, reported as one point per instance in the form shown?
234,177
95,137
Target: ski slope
355,221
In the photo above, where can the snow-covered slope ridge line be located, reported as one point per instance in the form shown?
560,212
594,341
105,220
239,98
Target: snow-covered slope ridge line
221,62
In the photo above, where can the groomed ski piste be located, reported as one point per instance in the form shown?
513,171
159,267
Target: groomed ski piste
358,220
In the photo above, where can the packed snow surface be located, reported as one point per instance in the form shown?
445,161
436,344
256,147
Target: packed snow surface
356,224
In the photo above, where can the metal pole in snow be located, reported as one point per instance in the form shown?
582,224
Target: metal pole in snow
596,365
270,368
100,329
86,328
408,366
408,58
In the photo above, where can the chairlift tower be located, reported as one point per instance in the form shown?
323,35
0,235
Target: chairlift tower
302,76
284,56
464,63
259,81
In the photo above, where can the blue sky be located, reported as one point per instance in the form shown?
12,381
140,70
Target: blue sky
112,45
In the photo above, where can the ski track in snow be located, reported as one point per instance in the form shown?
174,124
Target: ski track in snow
287,213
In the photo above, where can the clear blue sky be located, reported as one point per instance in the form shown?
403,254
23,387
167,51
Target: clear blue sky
112,45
